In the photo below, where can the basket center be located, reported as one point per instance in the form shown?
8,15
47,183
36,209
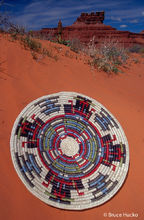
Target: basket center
69,146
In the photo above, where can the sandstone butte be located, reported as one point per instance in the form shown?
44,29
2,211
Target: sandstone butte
23,79
90,27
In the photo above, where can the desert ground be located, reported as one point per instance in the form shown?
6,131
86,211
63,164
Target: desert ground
23,79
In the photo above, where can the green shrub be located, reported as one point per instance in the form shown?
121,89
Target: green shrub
135,60
31,44
34,55
64,42
142,50
115,69
108,57
48,53
135,48
113,53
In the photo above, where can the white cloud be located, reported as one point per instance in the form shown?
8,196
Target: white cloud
2,3
123,25
134,21
8,4
37,14
129,13
116,18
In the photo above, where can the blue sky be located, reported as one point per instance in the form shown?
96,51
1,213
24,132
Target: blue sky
35,14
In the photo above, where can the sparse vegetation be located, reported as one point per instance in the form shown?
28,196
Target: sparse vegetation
35,46
32,44
17,32
142,50
135,60
135,48
4,22
9,27
64,42
34,55
48,53
108,56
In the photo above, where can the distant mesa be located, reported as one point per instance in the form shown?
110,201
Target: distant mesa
90,26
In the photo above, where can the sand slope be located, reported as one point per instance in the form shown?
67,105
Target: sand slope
23,79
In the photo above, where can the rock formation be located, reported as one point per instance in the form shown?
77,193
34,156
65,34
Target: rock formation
92,18
90,27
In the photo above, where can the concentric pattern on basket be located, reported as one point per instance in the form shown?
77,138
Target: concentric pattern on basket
69,151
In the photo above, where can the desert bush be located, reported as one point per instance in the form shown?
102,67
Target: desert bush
34,55
4,22
7,26
30,43
108,56
55,57
13,29
113,52
142,50
3,18
36,48
92,50
17,32
136,48
44,53
65,42
30,33
16,29
135,60
103,64
48,53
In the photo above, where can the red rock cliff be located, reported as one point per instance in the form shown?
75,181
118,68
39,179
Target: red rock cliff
90,26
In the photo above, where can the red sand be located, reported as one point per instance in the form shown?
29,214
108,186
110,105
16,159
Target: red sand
22,80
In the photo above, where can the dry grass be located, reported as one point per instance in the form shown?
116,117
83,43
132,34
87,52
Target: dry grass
108,56
35,47
137,48
31,43
17,32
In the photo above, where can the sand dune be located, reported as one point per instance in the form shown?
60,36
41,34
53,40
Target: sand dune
22,79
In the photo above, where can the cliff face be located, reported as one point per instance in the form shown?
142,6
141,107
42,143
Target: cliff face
90,26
